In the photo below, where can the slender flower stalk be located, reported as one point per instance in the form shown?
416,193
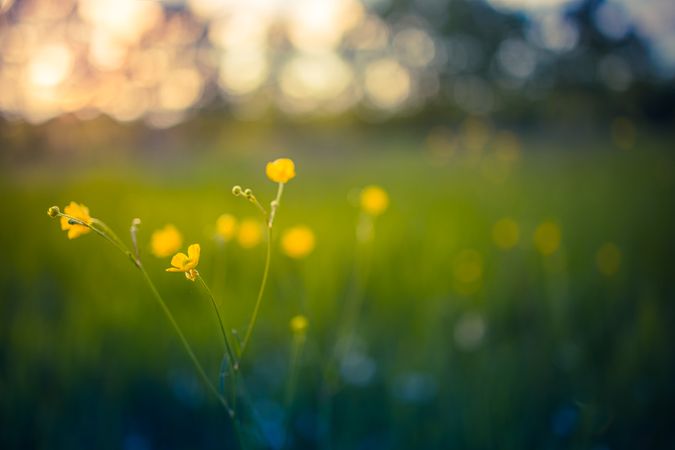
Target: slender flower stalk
275,205
261,291
280,171
226,339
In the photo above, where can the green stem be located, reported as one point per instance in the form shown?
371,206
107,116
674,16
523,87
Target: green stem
259,206
111,233
103,233
226,339
256,309
233,361
186,345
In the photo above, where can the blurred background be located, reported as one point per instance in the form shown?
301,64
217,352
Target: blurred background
516,293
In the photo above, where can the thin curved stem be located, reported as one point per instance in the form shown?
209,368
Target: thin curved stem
186,345
234,364
109,232
226,338
259,206
275,205
261,291
103,233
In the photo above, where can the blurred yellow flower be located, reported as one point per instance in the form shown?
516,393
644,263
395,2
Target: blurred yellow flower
79,212
250,233
299,324
166,241
468,267
186,263
374,200
226,227
505,233
547,238
608,259
298,242
280,170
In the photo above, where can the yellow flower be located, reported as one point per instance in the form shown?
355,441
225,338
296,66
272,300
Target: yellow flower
374,200
280,170
468,267
298,242
505,233
80,212
166,241
299,324
186,263
250,233
226,226
547,238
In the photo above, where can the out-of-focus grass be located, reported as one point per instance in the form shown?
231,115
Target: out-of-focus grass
539,352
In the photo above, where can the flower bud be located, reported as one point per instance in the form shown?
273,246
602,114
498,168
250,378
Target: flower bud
54,211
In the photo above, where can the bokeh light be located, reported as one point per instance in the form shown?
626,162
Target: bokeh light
301,57
547,237
608,259
505,233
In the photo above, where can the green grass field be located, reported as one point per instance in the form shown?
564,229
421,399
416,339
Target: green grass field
459,344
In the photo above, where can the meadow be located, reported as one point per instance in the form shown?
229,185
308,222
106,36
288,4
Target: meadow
552,330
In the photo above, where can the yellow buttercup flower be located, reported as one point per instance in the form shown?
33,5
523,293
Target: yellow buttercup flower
298,242
299,324
280,170
226,227
547,238
186,263
468,267
79,212
505,233
250,233
166,241
374,200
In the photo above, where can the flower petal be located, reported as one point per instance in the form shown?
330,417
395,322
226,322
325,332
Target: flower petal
194,251
179,260
78,211
64,223
280,170
77,230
